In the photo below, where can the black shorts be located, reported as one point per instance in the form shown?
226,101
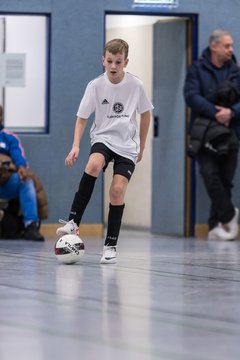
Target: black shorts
121,165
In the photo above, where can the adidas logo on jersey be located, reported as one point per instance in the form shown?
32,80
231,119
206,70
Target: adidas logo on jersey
105,102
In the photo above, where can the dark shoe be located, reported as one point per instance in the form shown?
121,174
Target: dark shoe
32,233
1,214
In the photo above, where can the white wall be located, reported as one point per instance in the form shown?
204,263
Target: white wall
138,198
1,50
25,106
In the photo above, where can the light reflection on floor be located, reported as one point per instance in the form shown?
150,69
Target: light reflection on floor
166,298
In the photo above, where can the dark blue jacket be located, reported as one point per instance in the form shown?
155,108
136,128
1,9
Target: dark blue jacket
11,145
201,82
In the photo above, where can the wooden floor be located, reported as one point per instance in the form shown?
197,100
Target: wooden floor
166,299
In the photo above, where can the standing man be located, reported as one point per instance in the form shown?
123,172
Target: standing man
217,69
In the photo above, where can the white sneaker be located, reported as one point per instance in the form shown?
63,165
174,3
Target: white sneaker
109,255
233,224
69,228
219,233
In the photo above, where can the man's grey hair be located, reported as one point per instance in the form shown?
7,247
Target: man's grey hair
216,36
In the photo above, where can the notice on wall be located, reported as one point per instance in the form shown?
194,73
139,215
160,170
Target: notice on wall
12,70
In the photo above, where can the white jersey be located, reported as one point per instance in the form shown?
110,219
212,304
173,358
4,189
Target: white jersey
115,107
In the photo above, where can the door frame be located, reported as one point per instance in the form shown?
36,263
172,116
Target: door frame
191,55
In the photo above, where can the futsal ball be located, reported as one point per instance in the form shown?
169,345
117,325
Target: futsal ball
69,249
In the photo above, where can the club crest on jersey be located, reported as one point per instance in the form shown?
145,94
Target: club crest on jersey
118,108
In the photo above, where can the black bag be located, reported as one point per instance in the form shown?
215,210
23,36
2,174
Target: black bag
209,135
11,225
198,131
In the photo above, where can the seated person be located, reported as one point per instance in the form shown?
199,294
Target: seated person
19,184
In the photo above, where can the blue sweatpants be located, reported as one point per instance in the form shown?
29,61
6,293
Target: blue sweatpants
25,191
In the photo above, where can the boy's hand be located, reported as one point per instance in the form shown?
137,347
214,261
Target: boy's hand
140,155
72,156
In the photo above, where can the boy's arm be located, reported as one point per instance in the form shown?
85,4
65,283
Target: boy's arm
144,126
78,133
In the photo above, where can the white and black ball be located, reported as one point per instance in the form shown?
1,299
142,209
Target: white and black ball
69,249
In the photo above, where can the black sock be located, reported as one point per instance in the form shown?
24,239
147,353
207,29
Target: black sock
82,197
114,224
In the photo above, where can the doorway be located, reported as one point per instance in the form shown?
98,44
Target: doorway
160,196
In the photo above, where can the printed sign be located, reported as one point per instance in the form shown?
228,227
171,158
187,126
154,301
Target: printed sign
12,70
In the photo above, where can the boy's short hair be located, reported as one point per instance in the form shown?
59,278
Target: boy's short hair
116,46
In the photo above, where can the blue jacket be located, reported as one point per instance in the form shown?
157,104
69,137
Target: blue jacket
201,82
11,145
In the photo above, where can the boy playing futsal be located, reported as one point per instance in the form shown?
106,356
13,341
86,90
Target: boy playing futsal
114,97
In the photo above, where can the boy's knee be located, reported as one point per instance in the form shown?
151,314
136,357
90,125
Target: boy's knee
116,191
95,164
93,168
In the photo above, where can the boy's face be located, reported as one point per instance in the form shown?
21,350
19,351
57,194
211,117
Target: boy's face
114,65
